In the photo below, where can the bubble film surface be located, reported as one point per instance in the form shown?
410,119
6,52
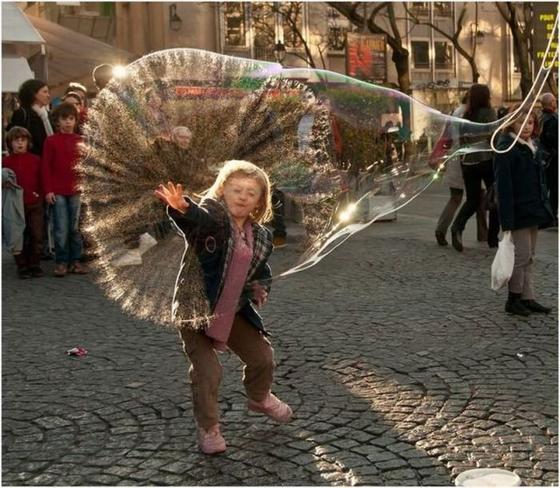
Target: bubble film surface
343,153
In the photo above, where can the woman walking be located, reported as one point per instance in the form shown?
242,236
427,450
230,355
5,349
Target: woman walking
476,167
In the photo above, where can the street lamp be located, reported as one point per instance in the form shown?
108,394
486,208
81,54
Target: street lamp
477,35
279,52
175,22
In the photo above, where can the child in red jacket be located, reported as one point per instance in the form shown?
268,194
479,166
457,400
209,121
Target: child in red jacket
60,181
27,167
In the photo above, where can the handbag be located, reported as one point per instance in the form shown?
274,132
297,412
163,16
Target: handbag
440,149
502,266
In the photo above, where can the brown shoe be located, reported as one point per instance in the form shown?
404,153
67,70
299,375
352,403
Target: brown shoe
78,268
60,270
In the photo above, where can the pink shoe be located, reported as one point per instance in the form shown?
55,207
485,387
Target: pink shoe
273,407
211,441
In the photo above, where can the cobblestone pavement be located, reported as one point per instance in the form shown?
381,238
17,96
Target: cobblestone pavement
399,361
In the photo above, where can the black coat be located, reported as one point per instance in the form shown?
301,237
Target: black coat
30,120
206,229
521,186
549,136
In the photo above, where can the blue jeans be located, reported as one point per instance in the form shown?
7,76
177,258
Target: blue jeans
67,237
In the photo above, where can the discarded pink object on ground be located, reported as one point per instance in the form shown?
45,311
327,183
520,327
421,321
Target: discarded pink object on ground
77,351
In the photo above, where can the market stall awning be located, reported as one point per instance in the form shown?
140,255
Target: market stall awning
14,72
16,27
72,56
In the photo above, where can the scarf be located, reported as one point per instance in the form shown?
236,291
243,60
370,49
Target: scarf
44,114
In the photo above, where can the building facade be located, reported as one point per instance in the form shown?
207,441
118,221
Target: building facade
314,34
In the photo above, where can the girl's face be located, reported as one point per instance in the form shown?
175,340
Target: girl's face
76,102
242,195
19,145
43,97
67,124
527,130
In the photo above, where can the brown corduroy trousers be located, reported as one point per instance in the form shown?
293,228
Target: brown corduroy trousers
521,281
205,371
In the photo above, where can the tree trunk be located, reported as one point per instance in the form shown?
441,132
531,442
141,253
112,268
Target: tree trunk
524,66
474,70
401,60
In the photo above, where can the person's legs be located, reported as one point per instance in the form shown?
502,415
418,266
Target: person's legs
552,181
487,174
48,232
528,290
21,263
446,217
522,243
257,354
472,180
60,230
34,225
205,375
75,244
481,223
528,294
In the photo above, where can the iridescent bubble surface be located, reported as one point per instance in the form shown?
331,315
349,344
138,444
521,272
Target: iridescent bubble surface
343,152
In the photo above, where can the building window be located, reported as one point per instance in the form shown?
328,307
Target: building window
443,9
443,55
420,54
421,9
235,24
337,28
276,21
263,20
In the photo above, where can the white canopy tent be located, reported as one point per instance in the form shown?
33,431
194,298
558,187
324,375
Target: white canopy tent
15,70
20,43
16,27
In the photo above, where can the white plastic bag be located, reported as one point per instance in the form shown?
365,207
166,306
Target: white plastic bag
502,266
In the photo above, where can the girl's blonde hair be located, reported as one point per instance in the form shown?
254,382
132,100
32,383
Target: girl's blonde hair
263,213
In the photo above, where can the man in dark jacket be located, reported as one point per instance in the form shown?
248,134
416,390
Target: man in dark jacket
549,142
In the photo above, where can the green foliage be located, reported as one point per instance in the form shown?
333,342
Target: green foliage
291,173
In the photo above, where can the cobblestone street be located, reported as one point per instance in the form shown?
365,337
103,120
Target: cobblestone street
397,357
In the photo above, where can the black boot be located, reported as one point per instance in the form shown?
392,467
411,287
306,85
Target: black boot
440,238
24,273
515,306
457,240
534,306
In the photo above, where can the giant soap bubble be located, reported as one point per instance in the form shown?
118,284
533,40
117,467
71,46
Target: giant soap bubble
343,152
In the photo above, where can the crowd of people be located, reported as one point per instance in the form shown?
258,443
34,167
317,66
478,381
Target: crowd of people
40,183
41,212
520,185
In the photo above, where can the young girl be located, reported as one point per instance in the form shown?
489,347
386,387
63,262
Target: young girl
233,248
523,206
27,168
60,181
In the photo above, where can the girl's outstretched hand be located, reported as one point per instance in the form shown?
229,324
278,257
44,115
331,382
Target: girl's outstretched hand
172,195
